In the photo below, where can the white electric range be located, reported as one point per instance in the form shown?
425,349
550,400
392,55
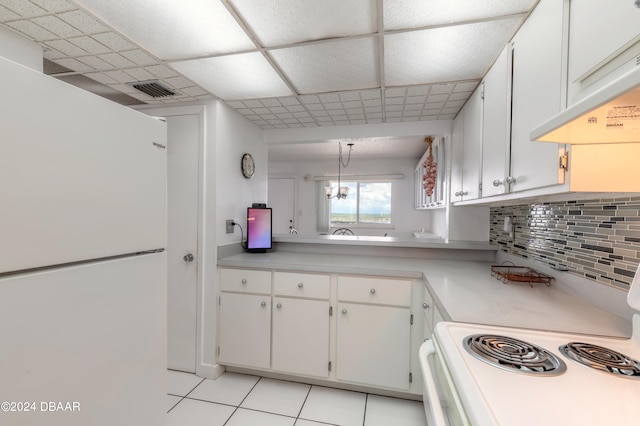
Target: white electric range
485,375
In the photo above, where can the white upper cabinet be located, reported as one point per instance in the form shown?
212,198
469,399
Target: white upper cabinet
497,126
604,39
537,95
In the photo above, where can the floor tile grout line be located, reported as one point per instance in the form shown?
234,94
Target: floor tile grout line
243,399
303,402
364,417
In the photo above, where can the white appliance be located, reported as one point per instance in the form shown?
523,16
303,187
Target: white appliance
82,257
551,387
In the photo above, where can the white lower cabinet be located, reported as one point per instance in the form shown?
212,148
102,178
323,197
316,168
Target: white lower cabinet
374,331
373,345
300,341
245,330
352,329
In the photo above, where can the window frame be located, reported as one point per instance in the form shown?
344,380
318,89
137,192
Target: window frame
358,223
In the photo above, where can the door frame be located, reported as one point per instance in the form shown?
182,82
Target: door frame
295,194
204,368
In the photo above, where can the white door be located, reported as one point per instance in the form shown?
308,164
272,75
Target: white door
282,195
182,147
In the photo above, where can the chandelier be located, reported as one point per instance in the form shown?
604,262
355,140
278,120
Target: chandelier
343,191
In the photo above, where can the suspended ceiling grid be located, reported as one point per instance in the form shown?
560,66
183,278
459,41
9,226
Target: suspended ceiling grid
280,63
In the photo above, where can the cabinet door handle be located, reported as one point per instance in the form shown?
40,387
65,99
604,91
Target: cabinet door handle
425,305
498,182
300,285
344,312
263,304
510,180
373,291
279,305
244,281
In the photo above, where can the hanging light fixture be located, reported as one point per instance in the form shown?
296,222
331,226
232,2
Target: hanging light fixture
343,191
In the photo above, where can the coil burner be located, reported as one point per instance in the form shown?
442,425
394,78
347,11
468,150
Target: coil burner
513,355
603,359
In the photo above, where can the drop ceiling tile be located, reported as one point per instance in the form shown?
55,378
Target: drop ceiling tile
313,124
416,99
169,30
411,113
289,101
447,116
269,117
421,13
352,111
371,102
278,110
394,119
418,90
336,112
455,104
31,30
138,57
261,110
23,8
372,110
293,21
116,60
394,101
237,105
66,48
140,74
94,62
463,52
243,111
253,103
301,115
394,107
329,97
395,92
285,116
370,94
438,98
413,107
450,110
114,41
243,76
55,6
406,119
333,105
359,121
434,105
438,89
356,117
374,115
374,120
83,22
161,71
309,99
342,122
330,66
7,15
460,96
394,114
295,108
315,107
56,26
319,113
466,86
74,65
349,96
89,44
119,76
271,103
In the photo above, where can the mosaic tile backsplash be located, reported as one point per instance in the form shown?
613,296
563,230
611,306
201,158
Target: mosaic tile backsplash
598,239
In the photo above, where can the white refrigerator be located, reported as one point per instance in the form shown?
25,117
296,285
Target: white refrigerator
82,257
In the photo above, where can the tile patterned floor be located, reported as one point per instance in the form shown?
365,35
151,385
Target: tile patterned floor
243,400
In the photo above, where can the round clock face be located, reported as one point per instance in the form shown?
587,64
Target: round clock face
248,166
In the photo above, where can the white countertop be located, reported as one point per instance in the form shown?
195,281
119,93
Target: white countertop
465,291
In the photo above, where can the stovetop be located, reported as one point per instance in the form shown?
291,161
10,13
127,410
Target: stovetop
567,393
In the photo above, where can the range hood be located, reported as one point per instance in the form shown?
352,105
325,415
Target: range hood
610,115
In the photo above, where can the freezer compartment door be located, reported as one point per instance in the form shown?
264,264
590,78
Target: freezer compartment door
94,335
82,177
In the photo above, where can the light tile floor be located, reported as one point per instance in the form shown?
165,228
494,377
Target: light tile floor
243,400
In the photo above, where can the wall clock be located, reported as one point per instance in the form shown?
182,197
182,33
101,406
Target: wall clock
248,166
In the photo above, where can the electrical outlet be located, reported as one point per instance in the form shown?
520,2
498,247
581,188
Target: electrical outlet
230,226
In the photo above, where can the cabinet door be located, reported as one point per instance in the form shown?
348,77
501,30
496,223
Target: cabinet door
457,153
496,125
373,345
301,336
472,151
537,88
245,330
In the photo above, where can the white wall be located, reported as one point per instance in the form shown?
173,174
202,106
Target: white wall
406,218
235,135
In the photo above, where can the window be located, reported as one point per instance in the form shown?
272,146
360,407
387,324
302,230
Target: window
368,203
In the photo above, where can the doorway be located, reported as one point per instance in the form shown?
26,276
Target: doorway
282,200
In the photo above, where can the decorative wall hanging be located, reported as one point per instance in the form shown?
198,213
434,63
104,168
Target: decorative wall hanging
430,169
